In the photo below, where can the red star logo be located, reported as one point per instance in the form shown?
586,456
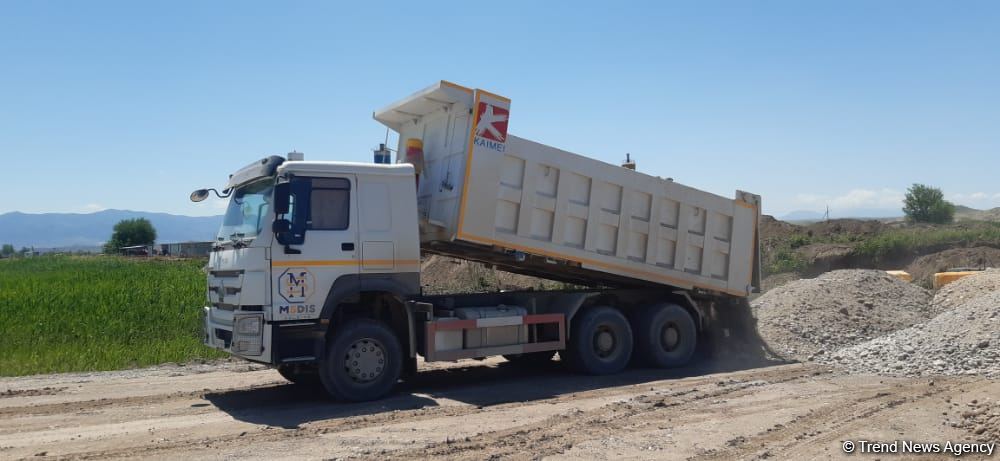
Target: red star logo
491,122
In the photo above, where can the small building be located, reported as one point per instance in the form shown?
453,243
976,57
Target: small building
136,250
186,249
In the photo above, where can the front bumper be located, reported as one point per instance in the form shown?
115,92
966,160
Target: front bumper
243,334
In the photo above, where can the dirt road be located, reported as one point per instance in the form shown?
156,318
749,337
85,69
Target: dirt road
480,410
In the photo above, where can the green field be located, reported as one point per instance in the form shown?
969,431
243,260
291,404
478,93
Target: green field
66,313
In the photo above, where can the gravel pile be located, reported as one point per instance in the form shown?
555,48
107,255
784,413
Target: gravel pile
811,318
964,289
964,340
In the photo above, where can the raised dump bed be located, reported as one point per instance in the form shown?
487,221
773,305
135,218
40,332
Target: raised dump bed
529,208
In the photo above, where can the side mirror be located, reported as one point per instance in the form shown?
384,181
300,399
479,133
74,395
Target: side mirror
281,226
282,192
199,195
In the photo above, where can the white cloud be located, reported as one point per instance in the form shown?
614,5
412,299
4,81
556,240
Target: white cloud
981,200
855,198
92,208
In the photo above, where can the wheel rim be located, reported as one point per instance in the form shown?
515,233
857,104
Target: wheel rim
605,341
670,336
365,360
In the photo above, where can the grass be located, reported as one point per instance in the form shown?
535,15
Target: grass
898,242
65,313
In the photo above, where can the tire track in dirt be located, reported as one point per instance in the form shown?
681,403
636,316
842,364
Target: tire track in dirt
557,433
800,437
448,409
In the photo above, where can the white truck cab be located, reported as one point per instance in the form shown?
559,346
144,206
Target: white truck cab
316,268
296,231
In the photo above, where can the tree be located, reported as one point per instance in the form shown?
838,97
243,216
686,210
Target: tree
7,250
927,204
130,232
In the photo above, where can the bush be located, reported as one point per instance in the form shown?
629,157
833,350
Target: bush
130,232
927,204
785,260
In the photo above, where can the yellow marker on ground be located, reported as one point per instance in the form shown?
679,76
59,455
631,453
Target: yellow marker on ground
902,275
943,278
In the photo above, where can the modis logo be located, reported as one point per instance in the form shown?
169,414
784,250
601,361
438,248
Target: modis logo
491,122
296,284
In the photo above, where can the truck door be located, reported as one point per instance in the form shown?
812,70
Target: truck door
326,210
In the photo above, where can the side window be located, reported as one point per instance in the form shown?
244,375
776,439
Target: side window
330,204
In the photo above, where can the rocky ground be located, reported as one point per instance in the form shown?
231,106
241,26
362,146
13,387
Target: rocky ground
814,317
900,330
982,419
964,340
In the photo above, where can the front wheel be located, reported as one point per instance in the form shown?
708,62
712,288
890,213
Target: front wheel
363,361
601,342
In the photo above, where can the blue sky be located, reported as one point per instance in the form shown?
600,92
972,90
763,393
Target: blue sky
131,105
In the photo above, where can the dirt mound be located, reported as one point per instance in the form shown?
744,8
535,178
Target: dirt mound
965,289
440,274
841,227
771,227
813,317
964,340
924,267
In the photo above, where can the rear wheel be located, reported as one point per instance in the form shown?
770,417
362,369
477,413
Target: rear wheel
665,336
531,359
601,342
363,361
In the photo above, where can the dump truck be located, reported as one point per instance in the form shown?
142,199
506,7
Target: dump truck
316,268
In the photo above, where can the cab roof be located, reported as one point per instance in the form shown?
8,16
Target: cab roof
332,167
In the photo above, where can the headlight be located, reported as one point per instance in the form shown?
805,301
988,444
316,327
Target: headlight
247,337
249,325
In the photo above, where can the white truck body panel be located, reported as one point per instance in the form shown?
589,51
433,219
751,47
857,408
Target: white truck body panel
481,186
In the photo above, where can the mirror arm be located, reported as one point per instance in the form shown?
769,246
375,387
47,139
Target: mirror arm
227,193
292,251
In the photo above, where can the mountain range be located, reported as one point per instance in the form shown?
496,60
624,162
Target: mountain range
858,213
88,230
962,213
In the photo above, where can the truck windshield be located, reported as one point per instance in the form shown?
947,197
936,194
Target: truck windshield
247,212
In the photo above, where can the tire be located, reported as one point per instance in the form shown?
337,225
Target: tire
601,342
532,359
665,336
306,376
378,364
